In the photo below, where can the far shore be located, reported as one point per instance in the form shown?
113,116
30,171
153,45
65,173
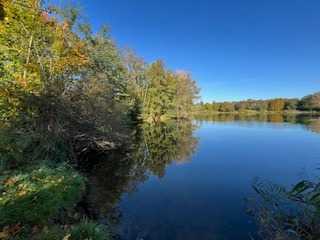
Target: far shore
252,112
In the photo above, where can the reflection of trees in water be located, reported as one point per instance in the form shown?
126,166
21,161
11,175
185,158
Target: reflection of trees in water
164,143
314,125
230,117
151,150
157,146
109,179
311,122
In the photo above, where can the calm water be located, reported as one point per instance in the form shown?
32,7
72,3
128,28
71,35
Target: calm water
184,182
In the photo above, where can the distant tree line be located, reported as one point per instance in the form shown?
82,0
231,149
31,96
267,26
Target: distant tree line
307,103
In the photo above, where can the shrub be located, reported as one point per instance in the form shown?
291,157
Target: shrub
52,233
85,230
89,231
20,148
33,197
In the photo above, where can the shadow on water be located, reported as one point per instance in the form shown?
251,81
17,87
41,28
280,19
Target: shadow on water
155,147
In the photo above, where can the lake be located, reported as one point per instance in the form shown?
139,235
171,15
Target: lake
191,180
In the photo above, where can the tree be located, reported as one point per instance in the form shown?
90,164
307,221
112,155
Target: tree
310,102
276,105
291,104
227,107
159,101
39,55
186,94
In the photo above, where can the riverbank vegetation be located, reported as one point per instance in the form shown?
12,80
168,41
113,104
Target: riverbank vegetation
67,92
310,103
283,213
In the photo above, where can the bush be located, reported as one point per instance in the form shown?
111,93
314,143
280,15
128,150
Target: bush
36,196
20,148
52,233
83,231
89,231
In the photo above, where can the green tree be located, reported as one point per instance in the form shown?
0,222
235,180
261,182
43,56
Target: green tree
161,93
291,104
310,102
186,94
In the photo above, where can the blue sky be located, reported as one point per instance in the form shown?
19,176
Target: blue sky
235,49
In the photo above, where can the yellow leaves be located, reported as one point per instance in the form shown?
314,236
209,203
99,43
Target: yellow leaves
10,181
4,235
68,50
22,81
22,193
67,237
9,231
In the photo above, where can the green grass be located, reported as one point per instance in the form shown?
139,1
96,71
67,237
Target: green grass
34,197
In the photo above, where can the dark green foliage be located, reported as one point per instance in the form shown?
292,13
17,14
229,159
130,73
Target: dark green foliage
50,233
89,231
19,149
34,197
2,13
85,230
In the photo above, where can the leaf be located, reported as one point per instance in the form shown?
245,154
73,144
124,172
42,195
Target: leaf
301,187
315,198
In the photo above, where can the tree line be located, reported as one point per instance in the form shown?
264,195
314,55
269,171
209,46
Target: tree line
307,103
62,82
48,55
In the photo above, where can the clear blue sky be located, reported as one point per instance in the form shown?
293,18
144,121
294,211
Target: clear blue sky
235,49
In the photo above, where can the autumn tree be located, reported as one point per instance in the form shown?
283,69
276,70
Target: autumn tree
161,92
38,55
186,94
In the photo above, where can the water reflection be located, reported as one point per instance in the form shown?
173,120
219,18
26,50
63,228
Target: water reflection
273,118
311,122
160,145
314,125
156,147
152,149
